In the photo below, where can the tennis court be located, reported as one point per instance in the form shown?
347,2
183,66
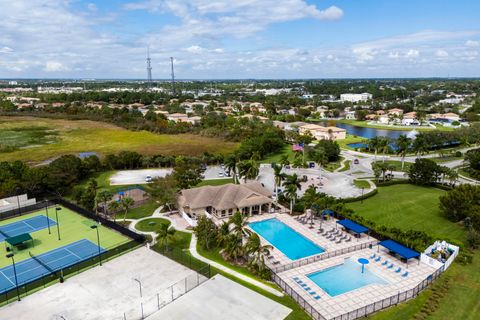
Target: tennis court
34,268
28,225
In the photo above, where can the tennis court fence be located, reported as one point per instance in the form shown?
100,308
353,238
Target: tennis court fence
59,275
147,306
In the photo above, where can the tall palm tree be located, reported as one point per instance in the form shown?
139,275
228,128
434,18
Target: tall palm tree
278,176
320,157
104,196
258,251
284,160
231,164
373,144
93,185
403,145
248,169
291,184
126,203
420,145
113,207
234,246
222,234
165,233
383,146
239,222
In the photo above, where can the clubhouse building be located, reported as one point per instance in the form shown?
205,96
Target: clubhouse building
222,202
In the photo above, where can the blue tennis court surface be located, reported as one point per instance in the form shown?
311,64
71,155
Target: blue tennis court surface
25,226
30,270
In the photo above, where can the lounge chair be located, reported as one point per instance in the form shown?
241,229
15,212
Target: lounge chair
373,256
390,266
303,285
270,257
349,239
333,239
307,288
295,278
405,274
378,259
339,240
398,270
316,297
276,262
344,237
385,263
312,292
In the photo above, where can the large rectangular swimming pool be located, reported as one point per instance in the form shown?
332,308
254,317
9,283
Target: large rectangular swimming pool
288,241
344,278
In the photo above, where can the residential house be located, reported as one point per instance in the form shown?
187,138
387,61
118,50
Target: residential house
323,133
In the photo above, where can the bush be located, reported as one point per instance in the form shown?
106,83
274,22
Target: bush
458,154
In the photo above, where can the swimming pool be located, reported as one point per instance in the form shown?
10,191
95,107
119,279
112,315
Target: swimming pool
345,277
288,241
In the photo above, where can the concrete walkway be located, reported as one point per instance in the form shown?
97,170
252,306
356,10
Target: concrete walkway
193,251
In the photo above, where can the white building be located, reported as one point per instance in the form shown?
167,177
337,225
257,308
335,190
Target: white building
355,97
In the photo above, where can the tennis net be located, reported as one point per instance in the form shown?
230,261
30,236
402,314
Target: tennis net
3,233
41,262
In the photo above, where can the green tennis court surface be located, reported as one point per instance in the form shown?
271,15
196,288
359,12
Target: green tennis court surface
73,227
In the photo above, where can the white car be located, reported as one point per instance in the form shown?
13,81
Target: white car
220,174
148,179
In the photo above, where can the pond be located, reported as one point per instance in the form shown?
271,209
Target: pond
368,132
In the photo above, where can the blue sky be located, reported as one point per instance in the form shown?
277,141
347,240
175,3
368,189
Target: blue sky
240,39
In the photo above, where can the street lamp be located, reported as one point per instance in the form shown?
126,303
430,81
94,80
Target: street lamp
17,190
10,255
98,242
58,223
361,201
48,218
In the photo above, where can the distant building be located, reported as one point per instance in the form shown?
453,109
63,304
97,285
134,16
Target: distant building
323,133
355,97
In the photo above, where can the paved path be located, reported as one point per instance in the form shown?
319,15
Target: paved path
193,251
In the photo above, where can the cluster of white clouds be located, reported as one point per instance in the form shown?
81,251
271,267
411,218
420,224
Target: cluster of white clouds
49,38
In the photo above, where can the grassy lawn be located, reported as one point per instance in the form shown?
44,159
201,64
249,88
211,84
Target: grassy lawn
214,182
73,227
332,166
77,136
407,206
412,207
361,184
445,159
14,138
397,164
346,166
287,149
151,225
365,124
350,139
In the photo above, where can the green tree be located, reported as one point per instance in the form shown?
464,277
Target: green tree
187,173
420,145
424,172
248,169
113,207
278,177
206,232
104,196
165,233
126,203
163,190
231,163
403,146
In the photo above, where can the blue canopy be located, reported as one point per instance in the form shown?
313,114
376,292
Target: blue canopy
400,249
355,227
327,212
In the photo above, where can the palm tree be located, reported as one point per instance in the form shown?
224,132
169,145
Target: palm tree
239,222
403,145
452,176
320,157
126,203
373,144
231,164
310,196
420,145
292,184
104,196
383,146
233,246
165,233
248,169
93,185
278,177
255,248
222,234
284,160
113,207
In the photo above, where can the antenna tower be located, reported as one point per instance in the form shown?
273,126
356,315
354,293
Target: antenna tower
149,68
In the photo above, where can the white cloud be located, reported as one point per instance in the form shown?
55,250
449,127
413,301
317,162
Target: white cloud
55,66
6,50
92,7
412,53
440,53
472,44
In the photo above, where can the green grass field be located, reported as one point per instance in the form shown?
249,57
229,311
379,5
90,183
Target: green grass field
396,164
214,182
73,227
361,184
407,206
412,207
72,137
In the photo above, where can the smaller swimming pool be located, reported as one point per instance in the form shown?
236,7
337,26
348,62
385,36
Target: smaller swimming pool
288,241
344,278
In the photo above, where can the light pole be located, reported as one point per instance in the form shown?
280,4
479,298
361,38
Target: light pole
10,255
140,285
98,242
17,190
361,201
58,223
48,218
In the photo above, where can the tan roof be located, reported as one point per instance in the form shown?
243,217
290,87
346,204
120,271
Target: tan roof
223,197
311,126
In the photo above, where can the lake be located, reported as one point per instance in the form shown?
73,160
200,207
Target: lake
367,132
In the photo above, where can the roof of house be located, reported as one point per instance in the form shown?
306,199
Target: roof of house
225,197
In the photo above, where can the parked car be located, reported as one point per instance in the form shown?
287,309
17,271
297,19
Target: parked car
220,174
356,161
148,179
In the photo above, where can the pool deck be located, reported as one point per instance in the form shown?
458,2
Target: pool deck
309,233
331,307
